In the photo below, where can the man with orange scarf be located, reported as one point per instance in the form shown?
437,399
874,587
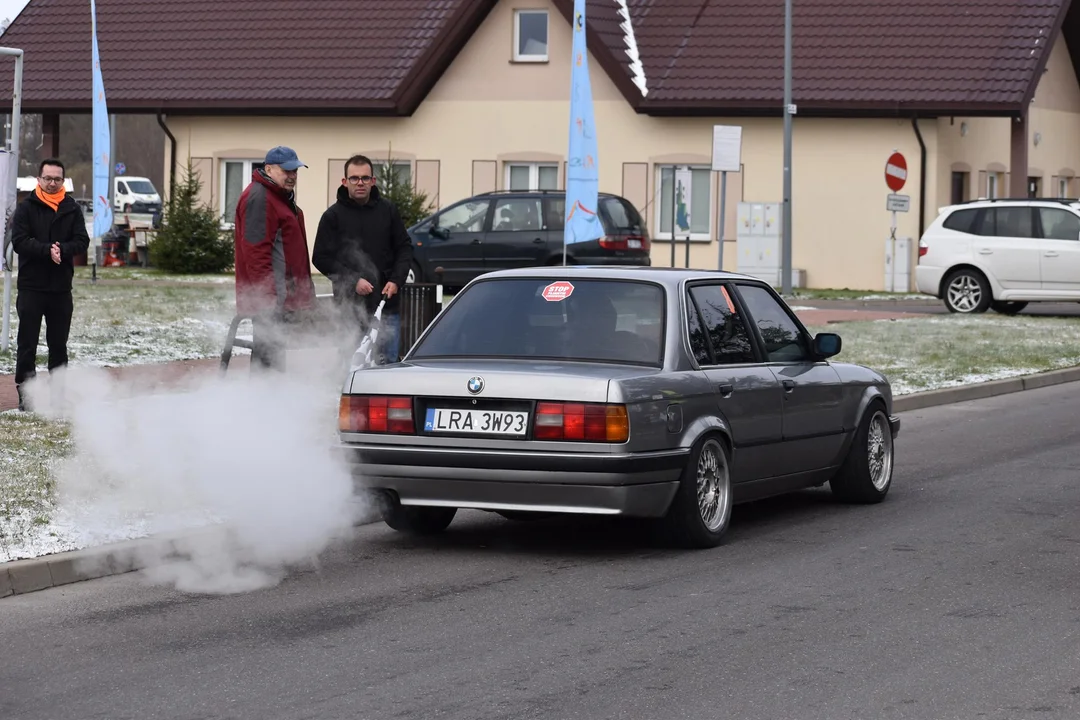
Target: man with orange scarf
47,232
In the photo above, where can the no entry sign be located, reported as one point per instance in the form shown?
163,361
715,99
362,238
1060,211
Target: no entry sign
896,172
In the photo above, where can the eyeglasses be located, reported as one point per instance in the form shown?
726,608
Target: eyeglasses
354,179
52,180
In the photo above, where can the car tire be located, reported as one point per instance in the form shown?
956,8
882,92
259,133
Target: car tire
1007,308
866,475
416,520
701,509
967,292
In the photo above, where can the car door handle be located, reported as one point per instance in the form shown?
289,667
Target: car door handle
986,251
538,240
726,389
789,385
1051,254
476,241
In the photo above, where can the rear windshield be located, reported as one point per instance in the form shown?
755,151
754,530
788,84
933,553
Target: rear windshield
587,320
621,215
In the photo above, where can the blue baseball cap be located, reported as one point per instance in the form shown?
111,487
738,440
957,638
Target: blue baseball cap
285,157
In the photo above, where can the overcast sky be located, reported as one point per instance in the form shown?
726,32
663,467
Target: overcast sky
10,8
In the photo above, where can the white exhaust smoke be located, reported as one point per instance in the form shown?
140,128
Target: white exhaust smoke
239,467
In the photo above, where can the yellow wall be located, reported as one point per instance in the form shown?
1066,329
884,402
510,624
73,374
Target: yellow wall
980,146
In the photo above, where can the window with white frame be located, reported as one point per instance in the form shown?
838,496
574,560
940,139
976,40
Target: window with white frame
532,176
400,171
1063,187
685,191
991,186
530,35
235,176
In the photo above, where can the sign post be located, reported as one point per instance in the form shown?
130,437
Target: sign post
683,207
895,178
726,157
8,191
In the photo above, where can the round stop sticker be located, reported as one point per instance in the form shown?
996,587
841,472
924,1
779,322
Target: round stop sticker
558,291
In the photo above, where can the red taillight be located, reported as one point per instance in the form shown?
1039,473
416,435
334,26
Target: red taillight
923,249
624,242
376,414
581,421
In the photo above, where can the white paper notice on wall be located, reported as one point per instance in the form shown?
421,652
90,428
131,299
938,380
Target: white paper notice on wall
726,148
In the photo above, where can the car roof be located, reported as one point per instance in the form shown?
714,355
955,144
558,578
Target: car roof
990,202
671,277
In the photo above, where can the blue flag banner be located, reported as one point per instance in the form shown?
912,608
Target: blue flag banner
582,173
103,216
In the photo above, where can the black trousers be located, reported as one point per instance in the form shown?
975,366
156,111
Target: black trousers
268,344
55,309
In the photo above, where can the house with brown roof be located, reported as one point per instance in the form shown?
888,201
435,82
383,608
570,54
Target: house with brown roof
980,96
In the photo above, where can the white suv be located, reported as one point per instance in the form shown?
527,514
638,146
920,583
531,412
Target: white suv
1002,254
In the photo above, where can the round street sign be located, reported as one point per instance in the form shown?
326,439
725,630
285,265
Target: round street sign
896,172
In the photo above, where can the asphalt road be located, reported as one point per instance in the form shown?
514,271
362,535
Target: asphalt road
956,598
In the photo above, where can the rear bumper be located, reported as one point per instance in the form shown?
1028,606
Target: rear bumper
638,484
928,280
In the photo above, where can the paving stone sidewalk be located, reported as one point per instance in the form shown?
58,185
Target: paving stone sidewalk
167,373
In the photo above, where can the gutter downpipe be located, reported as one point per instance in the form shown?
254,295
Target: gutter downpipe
922,176
172,152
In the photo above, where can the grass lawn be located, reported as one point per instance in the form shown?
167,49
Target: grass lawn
798,294
178,317
32,449
86,273
941,351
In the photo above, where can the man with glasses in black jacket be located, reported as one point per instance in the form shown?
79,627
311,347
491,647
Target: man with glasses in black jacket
47,232
362,246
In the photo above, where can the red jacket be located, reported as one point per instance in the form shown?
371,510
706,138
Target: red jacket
273,269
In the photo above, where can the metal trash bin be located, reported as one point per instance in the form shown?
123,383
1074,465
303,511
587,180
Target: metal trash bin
419,306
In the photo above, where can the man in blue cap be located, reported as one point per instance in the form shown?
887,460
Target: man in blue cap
273,269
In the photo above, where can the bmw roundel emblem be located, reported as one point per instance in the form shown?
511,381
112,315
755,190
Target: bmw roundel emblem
475,384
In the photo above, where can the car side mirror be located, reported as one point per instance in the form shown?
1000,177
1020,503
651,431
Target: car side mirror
438,232
827,345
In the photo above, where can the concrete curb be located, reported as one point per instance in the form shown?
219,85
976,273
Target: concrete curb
979,391
26,576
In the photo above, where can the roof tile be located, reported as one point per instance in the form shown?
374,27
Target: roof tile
712,55
850,51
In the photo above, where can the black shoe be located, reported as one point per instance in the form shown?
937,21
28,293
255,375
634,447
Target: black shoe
22,399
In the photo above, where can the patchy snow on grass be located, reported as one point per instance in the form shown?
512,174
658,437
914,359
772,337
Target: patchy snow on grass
896,297
929,353
147,274
116,325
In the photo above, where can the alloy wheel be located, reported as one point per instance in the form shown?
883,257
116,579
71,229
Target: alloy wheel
879,451
965,293
713,486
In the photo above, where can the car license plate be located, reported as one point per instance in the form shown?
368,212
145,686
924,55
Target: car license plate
489,422
634,244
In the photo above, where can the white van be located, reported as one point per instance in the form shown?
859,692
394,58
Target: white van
28,183
127,191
